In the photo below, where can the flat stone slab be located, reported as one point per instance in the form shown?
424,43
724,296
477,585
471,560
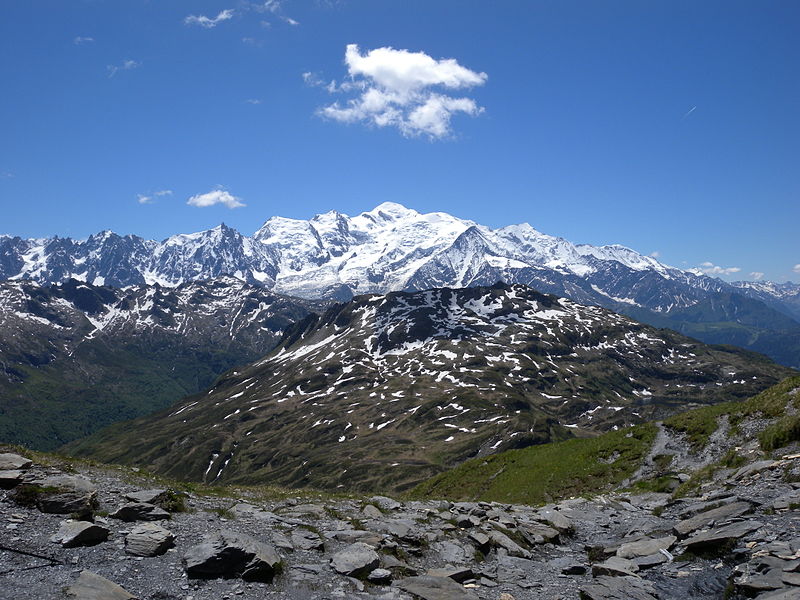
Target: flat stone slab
718,537
91,586
10,478
435,588
147,496
618,588
704,519
140,511
645,547
62,494
10,461
72,534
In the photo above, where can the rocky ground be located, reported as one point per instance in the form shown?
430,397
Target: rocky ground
89,532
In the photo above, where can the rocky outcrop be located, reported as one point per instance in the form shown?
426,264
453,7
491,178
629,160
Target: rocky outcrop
228,554
149,539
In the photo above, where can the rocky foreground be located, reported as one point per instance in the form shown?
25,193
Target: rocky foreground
77,531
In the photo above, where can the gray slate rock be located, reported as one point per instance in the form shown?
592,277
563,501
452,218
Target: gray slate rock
372,512
385,503
228,554
10,478
718,537
140,511
14,462
704,519
147,496
149,539
380,576
357,560
618,588
304,539
615,567
645,547
435,588
64,495
91,586
457,574
555,519
72,534
501,540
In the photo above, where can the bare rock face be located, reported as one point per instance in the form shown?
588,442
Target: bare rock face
91,586
228,554
149,539
80,533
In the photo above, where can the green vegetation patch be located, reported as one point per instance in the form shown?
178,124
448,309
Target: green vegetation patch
540,474
699,424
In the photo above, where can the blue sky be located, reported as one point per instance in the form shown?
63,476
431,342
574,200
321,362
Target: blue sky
669,127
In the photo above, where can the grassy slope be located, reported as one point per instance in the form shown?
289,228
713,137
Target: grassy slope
591,465
542,473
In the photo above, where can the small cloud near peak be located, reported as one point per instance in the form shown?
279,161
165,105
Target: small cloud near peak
217,196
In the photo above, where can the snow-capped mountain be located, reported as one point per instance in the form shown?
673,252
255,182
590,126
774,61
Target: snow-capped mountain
390,248
75,357
383,391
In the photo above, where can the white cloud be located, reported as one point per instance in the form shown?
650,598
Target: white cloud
398,88
82,40
655,254
291,21
218,196
151,198
757,275
709,268
796,268
124,66
272,6
254,101
208,22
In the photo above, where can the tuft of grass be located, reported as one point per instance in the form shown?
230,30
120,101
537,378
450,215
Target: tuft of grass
780,434
539,474
699,424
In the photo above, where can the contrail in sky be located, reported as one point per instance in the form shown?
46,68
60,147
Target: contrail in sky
691,110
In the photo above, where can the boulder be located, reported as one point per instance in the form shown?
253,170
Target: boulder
555,519
79,533
645,547
228,554
357,560
91,586
372,512
149,539
435,588
457,574
14,462
140,511
380,576
59,494
385,503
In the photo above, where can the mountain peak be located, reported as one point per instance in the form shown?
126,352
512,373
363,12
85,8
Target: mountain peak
390,211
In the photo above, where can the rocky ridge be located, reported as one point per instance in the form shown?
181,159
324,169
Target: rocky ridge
383,391
75,357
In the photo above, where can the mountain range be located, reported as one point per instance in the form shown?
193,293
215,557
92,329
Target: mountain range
385,390
75,357
391,248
